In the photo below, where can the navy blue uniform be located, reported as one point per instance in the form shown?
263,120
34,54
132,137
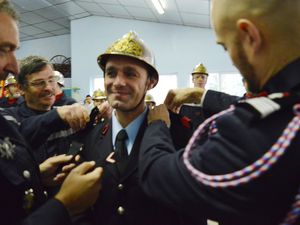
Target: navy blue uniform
122,201
242,137
21,192
62,99
45,131
214,102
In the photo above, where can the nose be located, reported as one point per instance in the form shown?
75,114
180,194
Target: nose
12,64
119,79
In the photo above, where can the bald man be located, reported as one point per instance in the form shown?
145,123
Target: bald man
242,166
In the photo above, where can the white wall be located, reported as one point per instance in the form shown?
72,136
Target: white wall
46,47
177,48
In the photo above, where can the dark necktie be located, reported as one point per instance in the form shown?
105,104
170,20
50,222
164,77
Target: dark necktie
121,150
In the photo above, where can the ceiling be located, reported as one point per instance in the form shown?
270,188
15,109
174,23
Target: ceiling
47,18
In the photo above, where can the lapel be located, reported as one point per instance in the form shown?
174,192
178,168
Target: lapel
134,155
100,146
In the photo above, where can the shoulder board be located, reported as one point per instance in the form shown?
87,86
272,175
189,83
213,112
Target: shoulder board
9,117
263,105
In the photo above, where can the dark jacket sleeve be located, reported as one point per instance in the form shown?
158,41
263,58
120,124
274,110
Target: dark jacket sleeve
51,213
37,128
216,101
164,176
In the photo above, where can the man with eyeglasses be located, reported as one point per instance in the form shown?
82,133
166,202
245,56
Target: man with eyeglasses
22,179
45,129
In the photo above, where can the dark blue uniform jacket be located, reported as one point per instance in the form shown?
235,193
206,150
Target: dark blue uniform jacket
242,137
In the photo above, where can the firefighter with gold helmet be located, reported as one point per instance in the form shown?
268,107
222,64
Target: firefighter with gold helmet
149,100
98,97
12,93
194,111
199,76
129,72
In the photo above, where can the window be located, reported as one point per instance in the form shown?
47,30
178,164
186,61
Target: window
166,82
230,83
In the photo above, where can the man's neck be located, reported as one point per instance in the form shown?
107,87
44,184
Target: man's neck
37,108
126,118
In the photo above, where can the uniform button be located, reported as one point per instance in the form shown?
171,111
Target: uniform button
120,187
26,174
121,210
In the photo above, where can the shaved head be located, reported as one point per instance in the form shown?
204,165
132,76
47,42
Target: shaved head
261,36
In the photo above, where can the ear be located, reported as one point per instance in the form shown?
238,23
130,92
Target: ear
151,83
250,35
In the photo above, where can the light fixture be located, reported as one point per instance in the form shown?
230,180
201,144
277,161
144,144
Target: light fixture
158,6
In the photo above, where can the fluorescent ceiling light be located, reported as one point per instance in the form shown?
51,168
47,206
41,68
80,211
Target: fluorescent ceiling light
158,6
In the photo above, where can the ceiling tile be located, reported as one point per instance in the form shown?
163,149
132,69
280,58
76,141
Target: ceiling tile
23,24
107,1
63,21
89,6
61,32
32,18
31,5
78,16
50,13
54,16
43,35
138,12
70,8
115,10
168,5
138,3
100,14
194,6
170,15
27,38
196,20
58,1
48,26
31,30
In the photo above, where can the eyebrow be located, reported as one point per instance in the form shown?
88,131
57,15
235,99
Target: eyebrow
9,45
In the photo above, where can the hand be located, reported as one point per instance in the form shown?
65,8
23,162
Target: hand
76,116
105,110
81,188
159,112
176,97
48,169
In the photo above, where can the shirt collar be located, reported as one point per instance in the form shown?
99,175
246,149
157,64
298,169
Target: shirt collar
131,129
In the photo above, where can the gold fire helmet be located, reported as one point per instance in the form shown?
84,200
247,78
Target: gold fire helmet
10,80
98,95
149,98
132,46
200,68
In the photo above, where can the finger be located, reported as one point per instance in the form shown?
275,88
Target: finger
77,158
95,174
68,168
84,167
59,159
60,177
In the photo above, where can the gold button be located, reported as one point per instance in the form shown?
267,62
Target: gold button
120,187
121,210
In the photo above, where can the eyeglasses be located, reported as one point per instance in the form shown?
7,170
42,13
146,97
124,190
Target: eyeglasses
40,84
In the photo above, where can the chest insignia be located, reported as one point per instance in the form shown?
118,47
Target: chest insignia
7,149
